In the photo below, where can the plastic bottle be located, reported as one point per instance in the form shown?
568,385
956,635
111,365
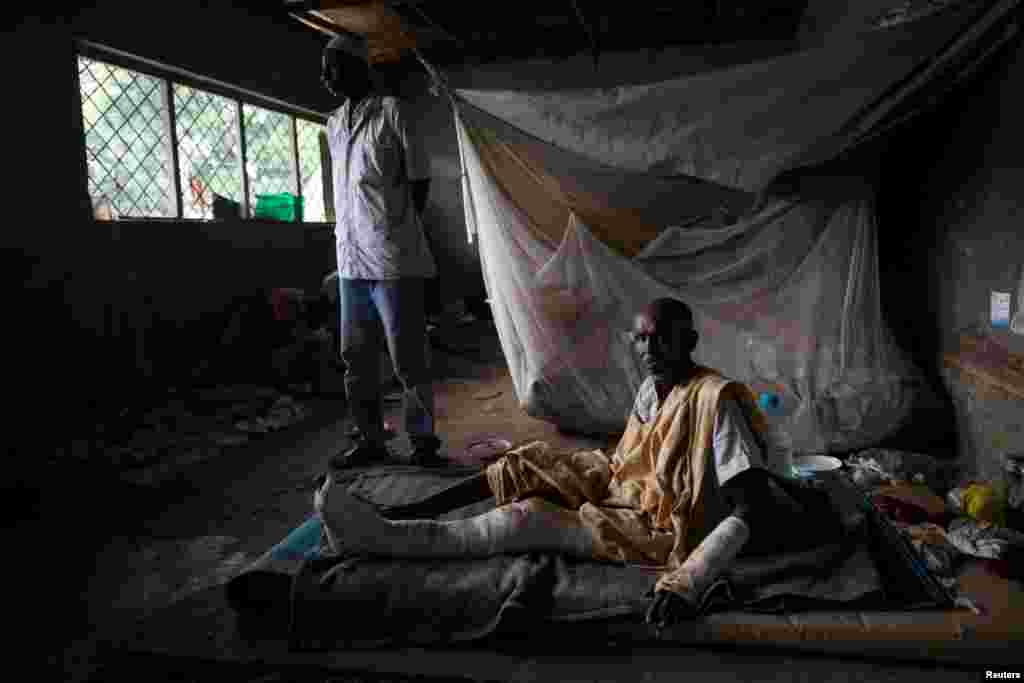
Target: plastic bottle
776,403
778,410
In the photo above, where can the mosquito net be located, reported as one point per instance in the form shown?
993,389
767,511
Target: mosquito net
589,204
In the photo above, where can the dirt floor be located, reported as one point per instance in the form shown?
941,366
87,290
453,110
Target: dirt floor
112,554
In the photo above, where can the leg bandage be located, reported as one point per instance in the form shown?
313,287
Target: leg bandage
708,561
354,527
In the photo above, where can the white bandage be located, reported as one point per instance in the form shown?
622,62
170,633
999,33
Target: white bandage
528,526
353,526
708,561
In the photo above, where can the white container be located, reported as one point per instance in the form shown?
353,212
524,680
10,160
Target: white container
778,411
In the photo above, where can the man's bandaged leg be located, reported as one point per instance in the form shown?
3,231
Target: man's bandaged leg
708,561
353,526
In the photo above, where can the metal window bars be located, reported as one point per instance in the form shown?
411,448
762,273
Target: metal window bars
311,170
122,114
269,164
156,148
209,150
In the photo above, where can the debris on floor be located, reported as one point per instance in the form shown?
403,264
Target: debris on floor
879,466
946,524
285,412
147,444
977,500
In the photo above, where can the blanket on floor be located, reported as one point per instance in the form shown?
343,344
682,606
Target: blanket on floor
351,602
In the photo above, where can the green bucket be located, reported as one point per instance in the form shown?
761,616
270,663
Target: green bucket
279,207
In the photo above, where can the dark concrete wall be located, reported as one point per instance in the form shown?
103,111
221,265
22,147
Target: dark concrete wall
91,291
951,232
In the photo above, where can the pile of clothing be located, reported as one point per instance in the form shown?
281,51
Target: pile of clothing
945,524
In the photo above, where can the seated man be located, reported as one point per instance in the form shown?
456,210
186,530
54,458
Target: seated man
686,488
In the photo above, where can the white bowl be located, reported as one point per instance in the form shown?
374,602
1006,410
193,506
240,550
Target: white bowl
807,465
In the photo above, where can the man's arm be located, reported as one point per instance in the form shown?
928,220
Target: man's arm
417,167
737,462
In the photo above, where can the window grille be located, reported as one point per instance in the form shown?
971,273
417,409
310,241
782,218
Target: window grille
126,144
311,169
209,153
149,138
269,152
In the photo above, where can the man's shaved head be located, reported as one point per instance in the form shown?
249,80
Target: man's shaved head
345,67
670,311
664,337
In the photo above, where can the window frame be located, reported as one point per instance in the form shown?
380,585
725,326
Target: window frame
170,76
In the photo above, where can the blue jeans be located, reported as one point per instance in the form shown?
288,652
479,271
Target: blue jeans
392,312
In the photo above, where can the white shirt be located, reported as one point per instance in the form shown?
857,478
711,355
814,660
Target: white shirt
379,235
735,447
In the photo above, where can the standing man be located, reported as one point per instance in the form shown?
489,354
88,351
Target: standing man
381,181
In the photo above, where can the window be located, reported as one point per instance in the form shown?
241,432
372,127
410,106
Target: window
312,141
126,143
159,148
209,150
270,164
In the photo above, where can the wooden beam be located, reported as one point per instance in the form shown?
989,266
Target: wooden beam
314,5
313,22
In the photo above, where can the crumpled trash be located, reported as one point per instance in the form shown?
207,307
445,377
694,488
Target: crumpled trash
285,412
879,466
983,539
939,555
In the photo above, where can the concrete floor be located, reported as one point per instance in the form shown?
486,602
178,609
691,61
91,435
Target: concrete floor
115,555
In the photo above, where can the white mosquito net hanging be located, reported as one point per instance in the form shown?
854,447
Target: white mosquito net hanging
589,204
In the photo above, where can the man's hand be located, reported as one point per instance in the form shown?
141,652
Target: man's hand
668,608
